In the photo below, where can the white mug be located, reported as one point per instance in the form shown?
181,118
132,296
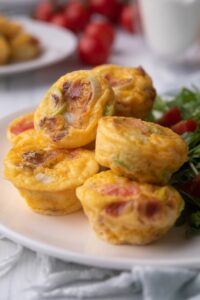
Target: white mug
170,26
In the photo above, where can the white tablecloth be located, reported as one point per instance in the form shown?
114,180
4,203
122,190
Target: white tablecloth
21,91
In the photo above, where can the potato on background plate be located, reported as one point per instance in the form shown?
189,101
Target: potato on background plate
16,45
4,51
8,28
24,47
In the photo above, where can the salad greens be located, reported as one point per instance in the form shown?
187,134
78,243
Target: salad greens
188,101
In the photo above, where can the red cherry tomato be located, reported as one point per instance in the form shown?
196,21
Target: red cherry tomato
59,20
185,126
107,8
101,30
129,18
22,126
171,117
44,11
76,16
193,186
92,51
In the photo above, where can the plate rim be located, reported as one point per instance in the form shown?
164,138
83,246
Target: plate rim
85,259
91,260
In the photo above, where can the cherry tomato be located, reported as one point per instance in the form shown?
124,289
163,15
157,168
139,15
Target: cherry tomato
193,186
129,18
44,11
171,117
102,30
92,51
77,16
107,8
59,19
22,126
185,126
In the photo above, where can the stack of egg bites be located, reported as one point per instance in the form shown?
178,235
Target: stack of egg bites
121,181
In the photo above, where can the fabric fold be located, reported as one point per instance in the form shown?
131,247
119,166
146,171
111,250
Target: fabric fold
10,261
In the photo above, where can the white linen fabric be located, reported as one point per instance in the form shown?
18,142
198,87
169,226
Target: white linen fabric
8,262
60,280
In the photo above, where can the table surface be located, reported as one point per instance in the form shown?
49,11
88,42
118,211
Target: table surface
24,90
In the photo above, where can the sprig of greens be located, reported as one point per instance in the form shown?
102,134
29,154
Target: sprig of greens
188,101
192,167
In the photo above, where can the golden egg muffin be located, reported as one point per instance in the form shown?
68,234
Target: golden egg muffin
133,88
4,51
70,110
8,28
24,47
122,211
140,150
47,178
20,125
32,137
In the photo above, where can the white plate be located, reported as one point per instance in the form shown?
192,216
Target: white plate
70,237
56,43
17,2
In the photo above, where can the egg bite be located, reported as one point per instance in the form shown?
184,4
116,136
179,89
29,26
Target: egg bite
140,150
122,211
70,110
31,137
133,89
8,28
24,47
20,125
46,177
4,51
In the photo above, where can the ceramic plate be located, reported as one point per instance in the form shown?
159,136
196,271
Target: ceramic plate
56,43
70,237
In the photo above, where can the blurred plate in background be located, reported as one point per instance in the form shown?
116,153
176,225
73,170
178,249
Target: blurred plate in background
10,7
57,44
